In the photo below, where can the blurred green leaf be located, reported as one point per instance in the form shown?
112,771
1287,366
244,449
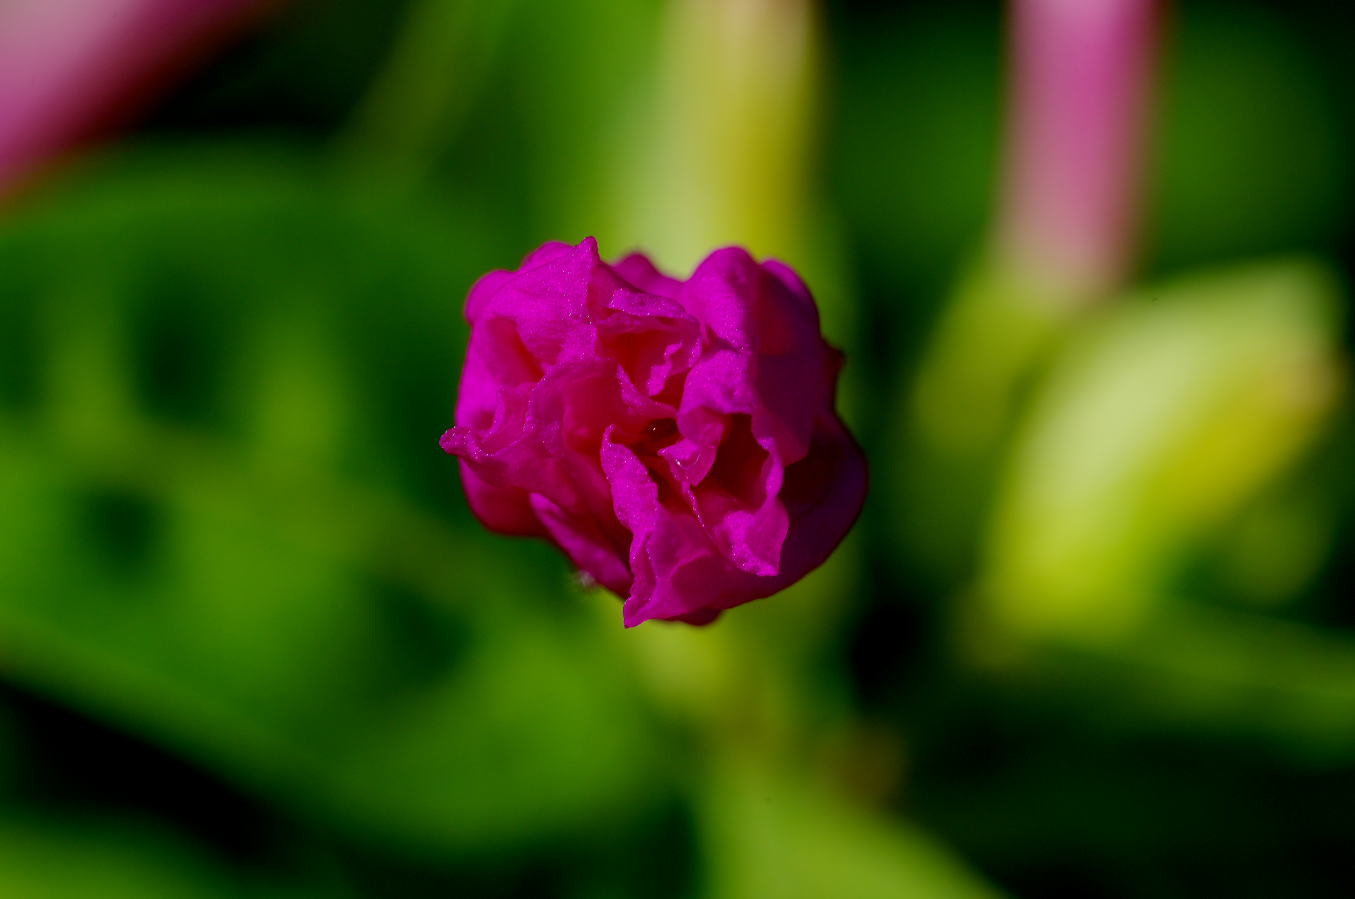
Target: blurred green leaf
442,56
1287,686
768,834
1157,426
63,858
955,415
229,527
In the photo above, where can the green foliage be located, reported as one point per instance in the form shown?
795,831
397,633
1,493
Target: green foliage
1158,423
60,859
266,588
1092,635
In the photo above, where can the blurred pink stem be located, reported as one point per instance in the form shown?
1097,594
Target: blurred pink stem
68,67
1081,83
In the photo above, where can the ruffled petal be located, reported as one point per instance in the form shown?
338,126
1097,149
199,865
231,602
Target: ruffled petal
596,547
652,338
676,440
688,579
738,502
507,510
764,317
547,302
640,272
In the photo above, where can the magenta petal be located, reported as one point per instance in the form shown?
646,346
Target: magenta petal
823,495
507,510
640,272
782,372
546,301
652,338
483,291
739,504
587,543
677,440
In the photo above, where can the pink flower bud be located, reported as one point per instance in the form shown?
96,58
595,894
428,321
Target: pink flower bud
676,439
68,67
1082,79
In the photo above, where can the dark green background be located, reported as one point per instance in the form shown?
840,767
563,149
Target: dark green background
252,642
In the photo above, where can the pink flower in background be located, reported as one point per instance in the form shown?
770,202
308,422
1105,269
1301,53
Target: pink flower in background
1081,87
68,67
676,439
